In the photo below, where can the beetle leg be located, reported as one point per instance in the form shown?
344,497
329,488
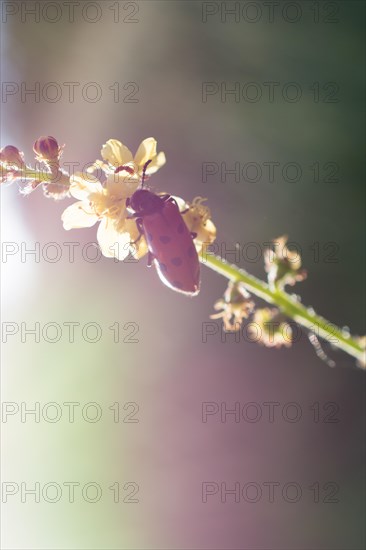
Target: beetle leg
140,228
139,225
169,198
150,258
166,197
136,240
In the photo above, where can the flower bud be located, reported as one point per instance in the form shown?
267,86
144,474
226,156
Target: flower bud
11,156
47,149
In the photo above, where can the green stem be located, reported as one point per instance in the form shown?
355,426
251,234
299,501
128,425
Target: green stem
29,174
289,305
43,176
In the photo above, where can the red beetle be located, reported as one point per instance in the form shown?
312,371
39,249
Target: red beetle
170,244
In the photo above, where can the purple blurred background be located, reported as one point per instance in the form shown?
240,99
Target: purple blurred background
168,53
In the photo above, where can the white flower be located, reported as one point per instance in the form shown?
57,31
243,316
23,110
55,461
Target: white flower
115,155
118,234
107,205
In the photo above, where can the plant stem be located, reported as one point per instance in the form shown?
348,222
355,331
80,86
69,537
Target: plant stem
57,176
289,305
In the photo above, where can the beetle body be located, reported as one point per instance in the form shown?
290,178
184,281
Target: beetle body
169,241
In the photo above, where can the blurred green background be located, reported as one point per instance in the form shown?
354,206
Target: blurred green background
168,52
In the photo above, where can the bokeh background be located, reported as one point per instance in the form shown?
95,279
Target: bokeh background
169,52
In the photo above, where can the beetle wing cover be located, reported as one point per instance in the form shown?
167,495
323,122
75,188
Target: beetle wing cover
172,246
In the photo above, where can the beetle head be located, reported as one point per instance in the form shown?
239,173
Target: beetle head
145,202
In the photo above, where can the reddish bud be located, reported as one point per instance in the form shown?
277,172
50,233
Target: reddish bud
11,156
47,149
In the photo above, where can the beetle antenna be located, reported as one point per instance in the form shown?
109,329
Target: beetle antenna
144,172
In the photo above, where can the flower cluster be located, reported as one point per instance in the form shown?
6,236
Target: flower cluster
115,155
108,199
268,326
103,200
118,235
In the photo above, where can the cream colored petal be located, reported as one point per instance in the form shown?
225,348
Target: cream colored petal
203,241
198,246
139,246
280,246
122,184
145,152
139,249
78,215
82,185
156,163
113,244
98,165
209,231
116,153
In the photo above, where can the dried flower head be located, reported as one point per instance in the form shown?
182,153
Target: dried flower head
235,306
283,265
197,218
270,328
